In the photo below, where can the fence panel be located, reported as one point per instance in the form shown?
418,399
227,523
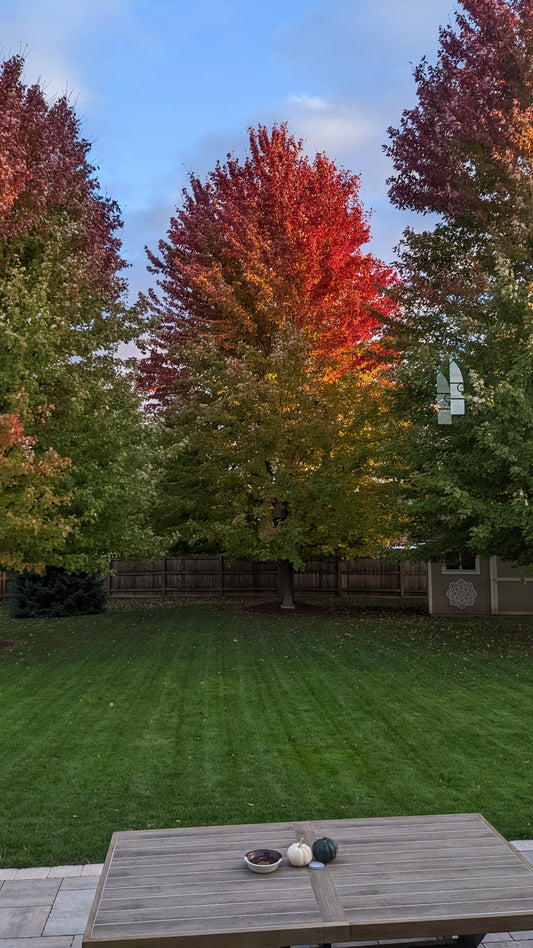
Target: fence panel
242,576
318,577
193,575
130,578
414,579
214,575
373,577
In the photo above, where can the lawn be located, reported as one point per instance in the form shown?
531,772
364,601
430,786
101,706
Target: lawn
172,715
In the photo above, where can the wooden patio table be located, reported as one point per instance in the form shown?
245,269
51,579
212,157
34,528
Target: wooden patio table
393,879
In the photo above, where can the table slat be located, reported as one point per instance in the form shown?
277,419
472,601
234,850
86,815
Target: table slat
399,877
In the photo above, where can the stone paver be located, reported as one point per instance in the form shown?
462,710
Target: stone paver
29,892
64,872
70,912
48,907
21,922
39,872
64,941
79,882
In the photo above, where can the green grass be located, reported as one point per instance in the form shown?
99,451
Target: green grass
169,715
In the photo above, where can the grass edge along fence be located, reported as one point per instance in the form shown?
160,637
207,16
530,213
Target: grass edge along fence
175,576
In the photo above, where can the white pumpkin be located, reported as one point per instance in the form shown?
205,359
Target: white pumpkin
299,854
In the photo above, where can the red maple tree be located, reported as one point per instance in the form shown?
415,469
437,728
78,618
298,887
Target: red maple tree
62,315
45,178
465,150
273,241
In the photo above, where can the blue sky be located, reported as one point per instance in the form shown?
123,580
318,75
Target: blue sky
164,87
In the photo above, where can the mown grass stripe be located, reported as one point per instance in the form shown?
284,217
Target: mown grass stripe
202,713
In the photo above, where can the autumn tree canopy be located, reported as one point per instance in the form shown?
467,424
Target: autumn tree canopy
62,316
263,363
464,152
271,241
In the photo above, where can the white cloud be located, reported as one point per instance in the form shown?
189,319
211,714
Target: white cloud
334,127
337,132
363,51
51,43
313,102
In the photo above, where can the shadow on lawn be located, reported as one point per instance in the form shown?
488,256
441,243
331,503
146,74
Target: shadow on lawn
369,605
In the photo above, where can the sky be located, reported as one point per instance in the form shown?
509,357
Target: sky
164,88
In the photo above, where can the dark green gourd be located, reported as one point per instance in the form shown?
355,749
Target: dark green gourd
324,849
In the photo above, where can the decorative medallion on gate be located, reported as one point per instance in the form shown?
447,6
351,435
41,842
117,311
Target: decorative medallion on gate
461,594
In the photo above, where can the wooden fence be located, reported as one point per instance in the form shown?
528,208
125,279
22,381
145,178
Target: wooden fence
216,576
176,576
4,587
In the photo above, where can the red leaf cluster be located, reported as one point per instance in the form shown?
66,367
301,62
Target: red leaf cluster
465,150
45,179
11,432
273,241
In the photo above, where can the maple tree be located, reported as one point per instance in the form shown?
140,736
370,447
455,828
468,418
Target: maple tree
264,457
62,317
273,240
464,153
263,365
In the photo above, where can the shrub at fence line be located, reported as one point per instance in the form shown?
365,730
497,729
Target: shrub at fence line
56,593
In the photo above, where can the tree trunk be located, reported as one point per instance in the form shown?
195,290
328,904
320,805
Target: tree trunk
286,584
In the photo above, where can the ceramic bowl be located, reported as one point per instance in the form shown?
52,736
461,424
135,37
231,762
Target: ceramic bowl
263,860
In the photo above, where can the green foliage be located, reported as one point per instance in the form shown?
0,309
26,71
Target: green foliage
74,474
56,593
271,456
60,375
98,423
31,490
465,152
468,486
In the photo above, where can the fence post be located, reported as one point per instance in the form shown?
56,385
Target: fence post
402,580
109,577
221,576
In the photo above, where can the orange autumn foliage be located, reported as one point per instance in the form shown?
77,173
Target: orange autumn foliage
31,498
274,241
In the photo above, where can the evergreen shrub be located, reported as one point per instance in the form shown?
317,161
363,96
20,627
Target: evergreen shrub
56,593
